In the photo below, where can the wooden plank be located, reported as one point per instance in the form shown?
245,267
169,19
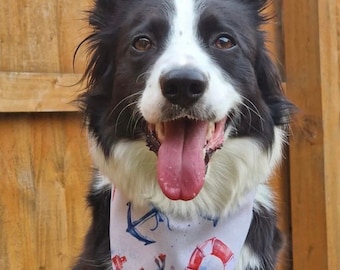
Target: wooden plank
28,32
72,29
280,185
38,92
273,28
45,171
313,84
41,36
329,32
309,239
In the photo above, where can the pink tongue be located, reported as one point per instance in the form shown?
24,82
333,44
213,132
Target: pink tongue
181,165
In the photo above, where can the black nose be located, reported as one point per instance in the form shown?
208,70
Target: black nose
183,86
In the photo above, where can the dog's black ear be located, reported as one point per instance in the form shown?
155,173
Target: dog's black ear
100,45
270,85
101,41
101,12
258,5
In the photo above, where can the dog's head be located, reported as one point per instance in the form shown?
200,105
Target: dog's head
185,77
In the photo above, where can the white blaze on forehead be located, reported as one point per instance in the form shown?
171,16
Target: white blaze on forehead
182,49
184,42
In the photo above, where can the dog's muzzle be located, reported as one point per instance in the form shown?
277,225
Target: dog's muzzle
184,143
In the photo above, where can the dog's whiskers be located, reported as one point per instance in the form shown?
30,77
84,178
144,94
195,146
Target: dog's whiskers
135,118
255,111
122,101
140,76
232,120
121,112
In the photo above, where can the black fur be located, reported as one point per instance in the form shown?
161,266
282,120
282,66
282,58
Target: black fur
96,254
264,237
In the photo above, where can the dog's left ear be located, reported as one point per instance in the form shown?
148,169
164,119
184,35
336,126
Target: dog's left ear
257,5
270,85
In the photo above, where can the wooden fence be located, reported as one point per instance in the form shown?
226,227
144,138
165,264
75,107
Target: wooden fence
44,162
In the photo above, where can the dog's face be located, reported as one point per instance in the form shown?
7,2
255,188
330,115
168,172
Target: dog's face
186,78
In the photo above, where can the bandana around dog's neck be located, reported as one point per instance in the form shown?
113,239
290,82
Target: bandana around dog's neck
146,239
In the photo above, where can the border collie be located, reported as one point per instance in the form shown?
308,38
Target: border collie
186,120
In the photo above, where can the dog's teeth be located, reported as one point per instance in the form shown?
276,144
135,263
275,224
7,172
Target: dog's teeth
159,128
210,131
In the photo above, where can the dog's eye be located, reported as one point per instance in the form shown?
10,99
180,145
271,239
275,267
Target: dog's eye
142,44
224,42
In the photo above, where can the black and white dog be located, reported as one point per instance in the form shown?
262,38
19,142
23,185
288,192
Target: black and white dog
186,119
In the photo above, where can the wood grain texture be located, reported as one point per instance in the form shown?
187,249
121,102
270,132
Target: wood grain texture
274,37
329,29
312,69
281,189
38,92
41,36
45,171
37,44
72,28
28,38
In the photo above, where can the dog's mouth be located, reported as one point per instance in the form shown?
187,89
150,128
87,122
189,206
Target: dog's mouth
184,148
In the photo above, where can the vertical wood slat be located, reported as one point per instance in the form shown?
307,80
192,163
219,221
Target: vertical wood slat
72,28
280,185
274,37
312,70
45,172
330,87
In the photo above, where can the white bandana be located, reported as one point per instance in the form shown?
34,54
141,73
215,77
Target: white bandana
146,239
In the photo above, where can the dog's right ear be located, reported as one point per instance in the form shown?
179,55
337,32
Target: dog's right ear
101,12
100,48
258,5
269,82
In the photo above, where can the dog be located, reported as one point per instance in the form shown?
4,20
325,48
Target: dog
186,120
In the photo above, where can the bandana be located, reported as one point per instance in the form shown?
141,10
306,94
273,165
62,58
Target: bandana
146,239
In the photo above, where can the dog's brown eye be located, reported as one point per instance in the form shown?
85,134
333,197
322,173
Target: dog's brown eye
142,44
224,42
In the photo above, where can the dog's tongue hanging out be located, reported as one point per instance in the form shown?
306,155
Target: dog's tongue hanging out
181,165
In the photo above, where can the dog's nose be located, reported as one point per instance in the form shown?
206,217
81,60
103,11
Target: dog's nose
183,86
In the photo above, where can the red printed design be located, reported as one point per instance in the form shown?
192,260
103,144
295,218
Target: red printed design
118,262
213,247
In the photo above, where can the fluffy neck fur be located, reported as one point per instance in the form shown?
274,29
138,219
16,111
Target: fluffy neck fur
240,166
